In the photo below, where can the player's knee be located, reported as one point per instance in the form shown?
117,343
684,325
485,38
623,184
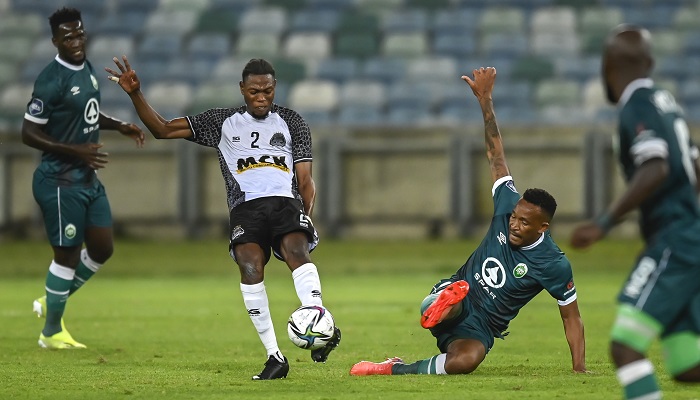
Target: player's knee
461,363
102,254
632,334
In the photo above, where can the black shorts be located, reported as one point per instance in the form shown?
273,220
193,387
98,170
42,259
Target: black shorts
266,220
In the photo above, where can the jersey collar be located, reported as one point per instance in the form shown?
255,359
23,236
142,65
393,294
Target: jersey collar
70,66
532,246
641,83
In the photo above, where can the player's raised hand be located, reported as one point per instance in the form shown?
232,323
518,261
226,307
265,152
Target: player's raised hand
126,78
482,84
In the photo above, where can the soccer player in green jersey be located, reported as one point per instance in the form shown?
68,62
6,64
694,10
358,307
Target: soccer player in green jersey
661,297
516,260
63,120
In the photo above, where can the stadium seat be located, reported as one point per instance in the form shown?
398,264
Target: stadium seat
515,94
22,24
409,116
288,5
39,7
599,19
257,45
358,22
183,5
502,20
364,93
222,21
358,115
179,22
557,20
209,46
556,114
337,70
429,5
102,49
229,68
532,69
691,43
405,20
15,49
460,113
557,92
315,118
14,98
504,45
432,69
45,51
312,20
146,6
189,70
686,19
453,44
356,45
671,67
215,93
592,42
160,46
169,95
125,23
266,20
555,44
578,68
667,43
8,72
653,18
405,45
151,70
594,97
31,69
307,46
289,71
333,5
463,21
385,70
313,95
410,95
378,7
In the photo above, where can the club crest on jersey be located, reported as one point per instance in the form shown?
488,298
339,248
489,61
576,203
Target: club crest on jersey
520,270
36,106
278,140
278,162
94,81
70,231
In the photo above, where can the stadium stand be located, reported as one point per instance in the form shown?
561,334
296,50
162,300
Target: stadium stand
546,52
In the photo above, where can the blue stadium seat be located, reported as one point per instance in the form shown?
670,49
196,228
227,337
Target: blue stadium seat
209,46
337,70
578,68
405,45
653,18
689,93
691,43
504,45
409,116
334,5
159,46
507,93
409,95
671,67
463,21
31,69
432,68
189,70
359,116
125,23
264,20
314,20
147,6
405,20
453,44
385,70
364,93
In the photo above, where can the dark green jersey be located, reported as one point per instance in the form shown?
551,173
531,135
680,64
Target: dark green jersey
66,101
652,126
502,279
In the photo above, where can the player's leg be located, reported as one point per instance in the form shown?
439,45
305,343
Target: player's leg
443,303
681,344
99,238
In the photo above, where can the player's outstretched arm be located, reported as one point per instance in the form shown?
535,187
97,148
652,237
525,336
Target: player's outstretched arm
160,127
573,329
482,87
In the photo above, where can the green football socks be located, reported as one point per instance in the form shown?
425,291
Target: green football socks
58,284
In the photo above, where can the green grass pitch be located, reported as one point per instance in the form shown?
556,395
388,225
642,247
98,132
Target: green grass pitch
166,321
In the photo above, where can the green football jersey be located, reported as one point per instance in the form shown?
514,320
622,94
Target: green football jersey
66,101
651,126
502,279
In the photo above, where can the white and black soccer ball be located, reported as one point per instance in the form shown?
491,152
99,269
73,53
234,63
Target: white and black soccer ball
310,327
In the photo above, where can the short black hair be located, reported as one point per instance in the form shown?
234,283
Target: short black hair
63,16
257,66
543,200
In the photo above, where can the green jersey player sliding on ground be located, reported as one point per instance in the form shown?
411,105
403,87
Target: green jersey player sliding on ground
515,261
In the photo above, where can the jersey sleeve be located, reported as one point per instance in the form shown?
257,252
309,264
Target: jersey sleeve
558,281
505,195
206,126
300,133
640,127
45,97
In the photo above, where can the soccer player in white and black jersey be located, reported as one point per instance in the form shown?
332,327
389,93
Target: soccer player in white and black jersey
265,158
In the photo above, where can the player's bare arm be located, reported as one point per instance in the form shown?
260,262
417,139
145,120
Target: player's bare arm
33,135
159,127
645,181
573,329
125,128
482,87
306,184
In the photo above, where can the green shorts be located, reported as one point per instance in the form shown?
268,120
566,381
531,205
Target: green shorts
665,280
67,211
469,324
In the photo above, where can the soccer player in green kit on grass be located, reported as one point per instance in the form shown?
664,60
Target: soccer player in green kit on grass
63,120
515,261
661,297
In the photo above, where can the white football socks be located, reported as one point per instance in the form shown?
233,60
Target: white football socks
255,299
308,285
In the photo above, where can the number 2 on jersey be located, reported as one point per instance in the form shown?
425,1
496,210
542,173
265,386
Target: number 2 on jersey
255,135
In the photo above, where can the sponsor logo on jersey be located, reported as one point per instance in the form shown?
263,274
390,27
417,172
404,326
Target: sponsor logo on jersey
75,90
70,231
254,312
237,232
36,106
278,162
92,111
316,293
278,140
520,270
94,81
493,275
235,139
502,238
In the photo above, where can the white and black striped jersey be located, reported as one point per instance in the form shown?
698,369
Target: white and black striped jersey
256,156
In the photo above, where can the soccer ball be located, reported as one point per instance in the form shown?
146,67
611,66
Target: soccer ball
310,327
